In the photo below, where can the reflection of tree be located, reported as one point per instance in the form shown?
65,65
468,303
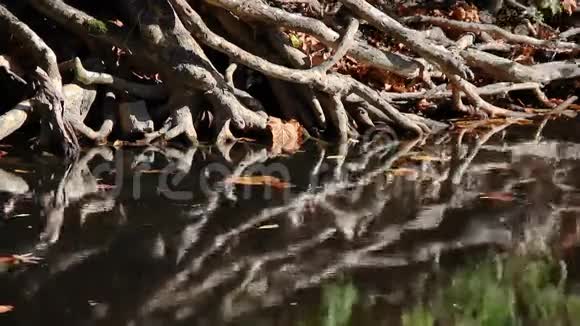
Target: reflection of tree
207,256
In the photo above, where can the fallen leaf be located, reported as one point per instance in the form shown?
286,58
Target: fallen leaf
287,137
4,309
296,41
569,6
259,180
403,172
499,196
116,22
19,259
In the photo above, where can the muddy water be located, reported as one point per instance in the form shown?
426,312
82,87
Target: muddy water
373,233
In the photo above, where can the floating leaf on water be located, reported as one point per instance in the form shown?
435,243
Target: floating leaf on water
19,259
260,180
5,308
287,137
269,227
499,196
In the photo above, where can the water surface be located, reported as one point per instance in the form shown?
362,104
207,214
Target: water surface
370,233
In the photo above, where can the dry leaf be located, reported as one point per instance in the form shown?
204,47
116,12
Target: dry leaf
569,6
287,137
4,309
19,259
404,172
259,180
117,22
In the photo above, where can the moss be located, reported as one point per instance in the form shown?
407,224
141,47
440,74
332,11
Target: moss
96,26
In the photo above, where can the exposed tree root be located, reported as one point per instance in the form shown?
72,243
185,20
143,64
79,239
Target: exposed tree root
14,119
48,100
494,31
167,41
150,92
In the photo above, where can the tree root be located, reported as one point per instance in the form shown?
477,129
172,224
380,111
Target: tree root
150,92
261,12
14,119
48,100
180,122
328,83
448,62
494,30
165,37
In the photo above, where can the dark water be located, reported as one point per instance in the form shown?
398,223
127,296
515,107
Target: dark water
373,233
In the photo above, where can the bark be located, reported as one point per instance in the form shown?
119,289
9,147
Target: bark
48,100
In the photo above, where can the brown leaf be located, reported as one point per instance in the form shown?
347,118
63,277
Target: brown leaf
19,259
4,309
569,6
116,22
287,137
259,180
400,172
